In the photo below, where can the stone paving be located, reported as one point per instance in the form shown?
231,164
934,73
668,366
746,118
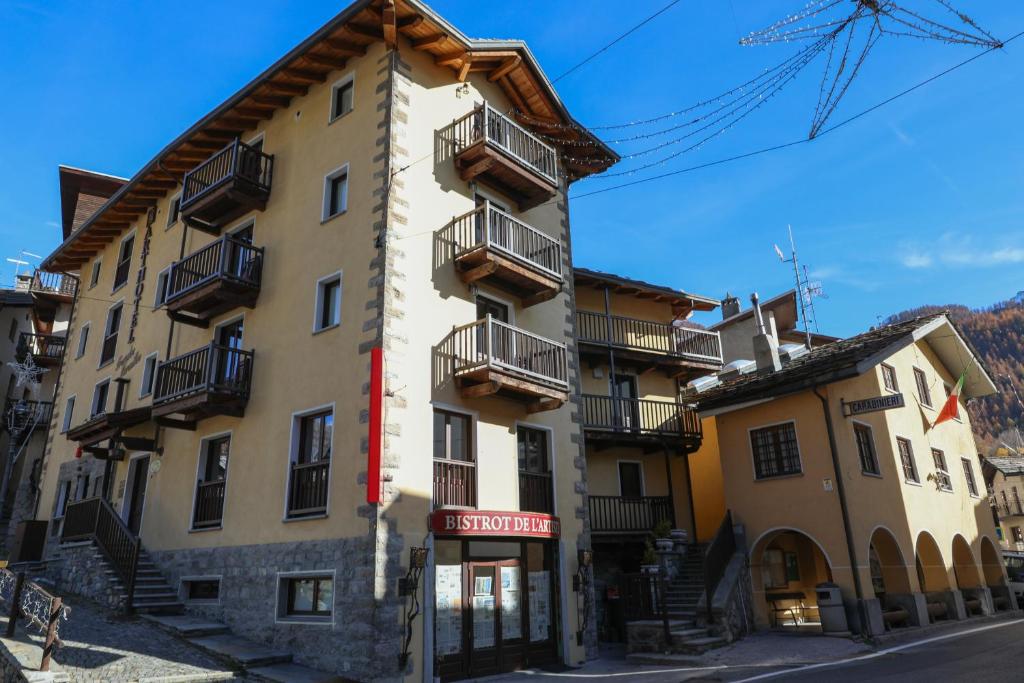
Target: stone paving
99,645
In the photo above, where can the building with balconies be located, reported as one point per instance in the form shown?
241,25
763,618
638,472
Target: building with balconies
360,258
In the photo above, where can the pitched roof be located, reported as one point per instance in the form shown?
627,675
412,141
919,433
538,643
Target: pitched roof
833,362
1008,464
625,285
15,297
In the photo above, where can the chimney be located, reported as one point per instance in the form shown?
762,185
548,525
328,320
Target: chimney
730,306
766,346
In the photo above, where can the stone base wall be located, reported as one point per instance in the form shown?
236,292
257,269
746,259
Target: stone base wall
77,568
248,603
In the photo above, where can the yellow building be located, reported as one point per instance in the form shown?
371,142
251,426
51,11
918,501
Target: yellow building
362,256
833,472
1003,474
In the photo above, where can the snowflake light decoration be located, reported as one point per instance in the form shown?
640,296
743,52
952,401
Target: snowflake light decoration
27,372
847,36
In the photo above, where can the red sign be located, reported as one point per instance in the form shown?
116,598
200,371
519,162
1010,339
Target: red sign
494,523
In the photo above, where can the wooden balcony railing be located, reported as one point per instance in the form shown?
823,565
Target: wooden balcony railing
1010,508
307,491
212,368
94,519
485,124
23,415
227,258
647,336
629,515
535,493
454,484
236,162
209,504
55,284
45,348
641,417
495,345
489,227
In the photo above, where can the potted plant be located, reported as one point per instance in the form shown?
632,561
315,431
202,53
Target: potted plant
663,535
649,564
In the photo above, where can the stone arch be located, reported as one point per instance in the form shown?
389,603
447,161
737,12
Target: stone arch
889,571
965,568
991,565
788,562
931,568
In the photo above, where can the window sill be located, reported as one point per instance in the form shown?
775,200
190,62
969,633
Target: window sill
340,116
305,518
328,219
912,483
118,287
779,476
326,329
873,475
203,529
306,621
104,364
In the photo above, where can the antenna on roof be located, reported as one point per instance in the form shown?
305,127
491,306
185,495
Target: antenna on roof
806,290
20,261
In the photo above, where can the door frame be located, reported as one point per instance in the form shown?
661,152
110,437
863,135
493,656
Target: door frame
129,488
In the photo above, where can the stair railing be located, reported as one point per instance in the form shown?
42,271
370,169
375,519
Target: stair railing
716,559
94,519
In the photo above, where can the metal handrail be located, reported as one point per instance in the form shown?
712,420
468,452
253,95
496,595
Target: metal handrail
94,519
236,160
484,124
201,370
488,226
227,257
640,416
646,335
494,344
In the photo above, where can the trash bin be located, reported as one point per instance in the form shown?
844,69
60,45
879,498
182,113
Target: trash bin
830,608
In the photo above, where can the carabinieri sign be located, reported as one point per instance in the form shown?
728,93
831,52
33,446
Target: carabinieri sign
870,405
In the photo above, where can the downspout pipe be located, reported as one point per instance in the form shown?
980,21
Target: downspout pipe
843,506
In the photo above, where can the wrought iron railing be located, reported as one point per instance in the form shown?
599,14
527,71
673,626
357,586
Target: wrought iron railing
716,559
454,483
38,607
59,284
1010,508
485,124
490,227
645,335
308,488
490,343
237,161
227,258
619,513
94,519
21,415
535,494
641,417
212,368
209,504
41,346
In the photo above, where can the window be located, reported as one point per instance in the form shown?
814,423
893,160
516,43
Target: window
907,460
889,377
631,480
148,375
99,398
941,472
69,409
311,465
336,192
82,487
776,453
173,210
534,471
1018,536
13,332
342,97
866,449
201,590
949,392
923,394
328,303
124,261
315,437
210,485
972,485
83,340
110,334
94,278
309,596
63,498
161,287
454,469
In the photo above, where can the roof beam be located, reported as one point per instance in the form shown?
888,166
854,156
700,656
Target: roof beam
389,23
368,32
464,69
506,67
253,112
430,41
327,60
410,22
451,60
345,47
292,89
271,100
304,75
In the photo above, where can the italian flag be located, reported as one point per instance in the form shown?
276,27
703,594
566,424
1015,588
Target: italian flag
952,407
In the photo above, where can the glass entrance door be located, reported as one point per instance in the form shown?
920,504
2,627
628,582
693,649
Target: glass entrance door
484,617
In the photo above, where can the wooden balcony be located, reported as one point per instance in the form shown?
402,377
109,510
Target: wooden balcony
307,488
493,149
221,276
495,358
493,247
619,515
209,510
22,416
47,350
228,185
653,425
58,287
454,484
212,380
109,426
681,352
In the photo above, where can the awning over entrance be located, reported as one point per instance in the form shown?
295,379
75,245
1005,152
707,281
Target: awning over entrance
109,426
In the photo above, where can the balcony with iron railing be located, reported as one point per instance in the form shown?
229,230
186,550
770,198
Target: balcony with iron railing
209,510
211,380
621,514
454,483
307,488
46,349
228,185
495,248
217,278
491,357
493,148
641,422
679,351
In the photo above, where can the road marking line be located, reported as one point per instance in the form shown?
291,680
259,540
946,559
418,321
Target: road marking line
623,673
881,653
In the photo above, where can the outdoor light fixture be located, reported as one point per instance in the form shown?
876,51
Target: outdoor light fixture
408,587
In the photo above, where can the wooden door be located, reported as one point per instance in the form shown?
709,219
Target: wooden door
139,475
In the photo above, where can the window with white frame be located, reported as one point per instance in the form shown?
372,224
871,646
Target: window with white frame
124,261
148,374
889,377
63,498
972,484
328,302
83,340
161,287
335,192
94,278
173,210
941,471
866,448
306,597
907,460
211,482
924,394
99,398
69,410
110,333
343,97
313,435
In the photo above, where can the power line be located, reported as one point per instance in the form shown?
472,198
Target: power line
609,45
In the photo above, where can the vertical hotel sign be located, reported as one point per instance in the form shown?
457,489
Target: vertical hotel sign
140,278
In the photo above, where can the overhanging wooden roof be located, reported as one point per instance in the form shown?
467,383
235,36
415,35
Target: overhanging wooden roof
680,301
509,63
108,425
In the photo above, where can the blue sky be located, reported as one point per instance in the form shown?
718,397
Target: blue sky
919,202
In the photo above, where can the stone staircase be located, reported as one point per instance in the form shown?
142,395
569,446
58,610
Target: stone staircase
153,595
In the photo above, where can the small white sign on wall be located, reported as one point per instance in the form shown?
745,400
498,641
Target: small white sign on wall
827,484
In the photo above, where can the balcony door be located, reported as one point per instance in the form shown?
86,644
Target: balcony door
502,344
624,391
229,362
535,493
210,488
241,258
